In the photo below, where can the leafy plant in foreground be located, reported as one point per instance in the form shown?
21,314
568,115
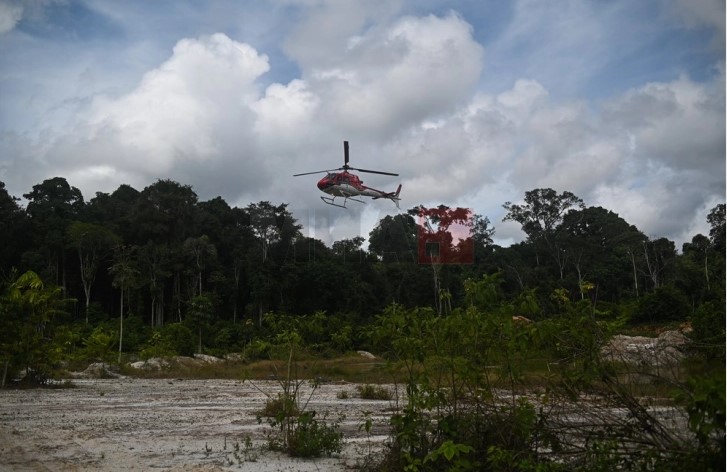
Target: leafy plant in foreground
296,430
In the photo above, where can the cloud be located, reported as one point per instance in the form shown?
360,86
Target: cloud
680,124
697,13
654,154
188,119
412,94
393,78
320,38
10,15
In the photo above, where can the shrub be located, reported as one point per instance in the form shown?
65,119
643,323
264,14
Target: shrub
312,438
169,340
257,349
373,392
663,304
280,407
708,324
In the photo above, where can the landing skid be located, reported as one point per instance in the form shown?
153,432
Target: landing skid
332,201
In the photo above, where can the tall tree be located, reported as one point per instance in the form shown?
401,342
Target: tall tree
482,232
13,240
658,255
349,249
272,226
597,242
716,220
125,276
114,211
153,262
92,243
199,314
165,212
693,268
52,206
394,238
202,252
540,216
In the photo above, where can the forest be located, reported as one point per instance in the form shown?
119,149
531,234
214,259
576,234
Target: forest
135,274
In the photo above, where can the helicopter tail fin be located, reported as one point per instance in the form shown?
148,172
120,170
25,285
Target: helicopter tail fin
395,196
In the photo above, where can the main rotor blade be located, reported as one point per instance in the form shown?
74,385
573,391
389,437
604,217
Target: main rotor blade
373,171
345,153
309,173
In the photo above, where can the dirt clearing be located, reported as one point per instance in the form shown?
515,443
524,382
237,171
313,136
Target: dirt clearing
162,424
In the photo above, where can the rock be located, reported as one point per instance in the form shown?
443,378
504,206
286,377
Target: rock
234,357
98,370
207,359
640,350
153,363
366,354
160,363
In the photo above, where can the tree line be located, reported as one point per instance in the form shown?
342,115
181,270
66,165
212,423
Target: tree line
161,256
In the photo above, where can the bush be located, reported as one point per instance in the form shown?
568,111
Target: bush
257,349
373,392
170,340
663,304
312,438
99,344
280,407
231,337
708,324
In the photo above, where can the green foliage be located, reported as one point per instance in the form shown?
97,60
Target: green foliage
373,392
708,324
312,438
231,337
575,334
484,293
199,314
453,453
170,340
705,404
296,430
27,310
661,305
581,272
452,417
280,407
258,349
320,333
99,343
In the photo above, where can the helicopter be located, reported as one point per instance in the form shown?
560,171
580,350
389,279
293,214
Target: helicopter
347,185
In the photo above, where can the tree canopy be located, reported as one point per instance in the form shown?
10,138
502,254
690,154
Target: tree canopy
161,256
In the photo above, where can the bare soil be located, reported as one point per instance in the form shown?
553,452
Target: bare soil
169,425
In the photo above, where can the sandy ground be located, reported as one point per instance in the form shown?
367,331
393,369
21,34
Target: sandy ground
169,425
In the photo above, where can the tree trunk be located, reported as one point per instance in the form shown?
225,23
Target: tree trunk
437,288
706,271
121,325
636,280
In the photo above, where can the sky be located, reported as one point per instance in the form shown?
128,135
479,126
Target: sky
472,102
